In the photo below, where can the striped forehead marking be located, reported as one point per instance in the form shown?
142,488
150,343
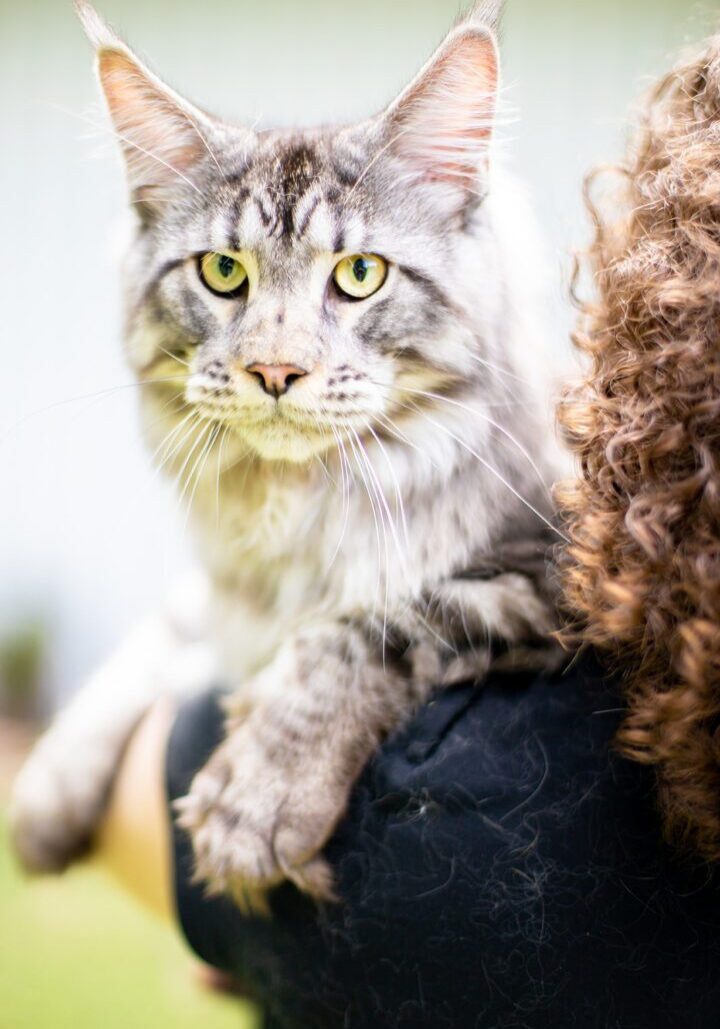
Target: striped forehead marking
309,218
296,193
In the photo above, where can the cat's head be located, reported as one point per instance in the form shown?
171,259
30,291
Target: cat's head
297,284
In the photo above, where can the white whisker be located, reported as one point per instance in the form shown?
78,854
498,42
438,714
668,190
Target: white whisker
500,370
481,414
175,357
498,475
199,438
350,434
110,391
224,436
380,496
344,473
175,445
99,127
200,465
396,485
167,439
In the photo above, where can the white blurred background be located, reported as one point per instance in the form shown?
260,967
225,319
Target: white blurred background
89,539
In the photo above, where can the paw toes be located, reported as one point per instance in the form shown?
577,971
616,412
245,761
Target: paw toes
227,854
251,828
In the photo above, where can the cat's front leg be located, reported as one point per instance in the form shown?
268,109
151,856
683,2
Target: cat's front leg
59,795
270,797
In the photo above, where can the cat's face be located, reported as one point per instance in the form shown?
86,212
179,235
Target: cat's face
300,287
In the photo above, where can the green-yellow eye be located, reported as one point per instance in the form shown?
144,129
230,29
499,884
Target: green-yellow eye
360,275
223,274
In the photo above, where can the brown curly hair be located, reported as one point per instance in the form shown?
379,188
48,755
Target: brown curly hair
642,572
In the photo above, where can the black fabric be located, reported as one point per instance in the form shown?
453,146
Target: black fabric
500,867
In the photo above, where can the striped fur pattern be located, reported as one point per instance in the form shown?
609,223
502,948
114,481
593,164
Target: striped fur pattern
379,530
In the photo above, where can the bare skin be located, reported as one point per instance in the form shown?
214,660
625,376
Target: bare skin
133,841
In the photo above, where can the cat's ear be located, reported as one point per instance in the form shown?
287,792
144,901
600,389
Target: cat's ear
162,136
442,124
487,13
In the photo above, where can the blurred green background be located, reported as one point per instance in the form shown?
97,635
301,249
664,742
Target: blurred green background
88,538
77,954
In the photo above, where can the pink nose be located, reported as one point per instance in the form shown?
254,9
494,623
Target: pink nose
276,379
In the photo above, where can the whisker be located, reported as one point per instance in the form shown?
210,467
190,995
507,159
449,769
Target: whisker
207,146
383,504
201,433
500,428
223,438
376,521
398,491
390,426
175,357
202,464
345,496
433,632
110,391
373,162
498,475
99,127
500,370
176,442
204,433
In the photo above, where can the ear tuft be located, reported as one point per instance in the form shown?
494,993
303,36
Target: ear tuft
97,31
487,13
161,135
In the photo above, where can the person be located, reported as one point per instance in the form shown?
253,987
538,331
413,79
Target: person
537,851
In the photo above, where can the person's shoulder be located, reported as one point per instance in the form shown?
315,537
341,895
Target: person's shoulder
477,732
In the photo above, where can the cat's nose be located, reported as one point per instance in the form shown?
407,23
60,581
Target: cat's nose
276,379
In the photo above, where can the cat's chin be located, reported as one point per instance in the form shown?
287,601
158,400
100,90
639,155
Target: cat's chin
273,443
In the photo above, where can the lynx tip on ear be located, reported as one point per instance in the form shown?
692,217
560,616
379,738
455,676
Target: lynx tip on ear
97,31
488,13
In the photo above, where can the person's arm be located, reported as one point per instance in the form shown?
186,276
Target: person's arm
133,842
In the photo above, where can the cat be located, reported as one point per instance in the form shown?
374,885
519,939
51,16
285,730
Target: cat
335,331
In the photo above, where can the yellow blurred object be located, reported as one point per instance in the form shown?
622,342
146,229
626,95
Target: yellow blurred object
134,840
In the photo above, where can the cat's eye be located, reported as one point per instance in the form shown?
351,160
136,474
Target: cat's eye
360,275
223,275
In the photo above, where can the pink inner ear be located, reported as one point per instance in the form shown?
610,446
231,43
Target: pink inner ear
158,138
445,121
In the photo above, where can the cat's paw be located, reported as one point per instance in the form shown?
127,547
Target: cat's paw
255,823
56,804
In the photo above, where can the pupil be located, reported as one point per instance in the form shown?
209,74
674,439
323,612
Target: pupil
360,269
226,266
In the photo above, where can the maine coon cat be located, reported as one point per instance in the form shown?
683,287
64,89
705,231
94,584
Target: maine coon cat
335,330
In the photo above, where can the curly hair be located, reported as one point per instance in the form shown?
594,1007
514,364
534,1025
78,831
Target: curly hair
642,571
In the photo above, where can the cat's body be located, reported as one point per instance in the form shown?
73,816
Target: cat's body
287,546
366,473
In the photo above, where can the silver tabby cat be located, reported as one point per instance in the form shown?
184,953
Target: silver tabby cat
338,335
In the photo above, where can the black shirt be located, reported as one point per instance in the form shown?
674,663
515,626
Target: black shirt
501,867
